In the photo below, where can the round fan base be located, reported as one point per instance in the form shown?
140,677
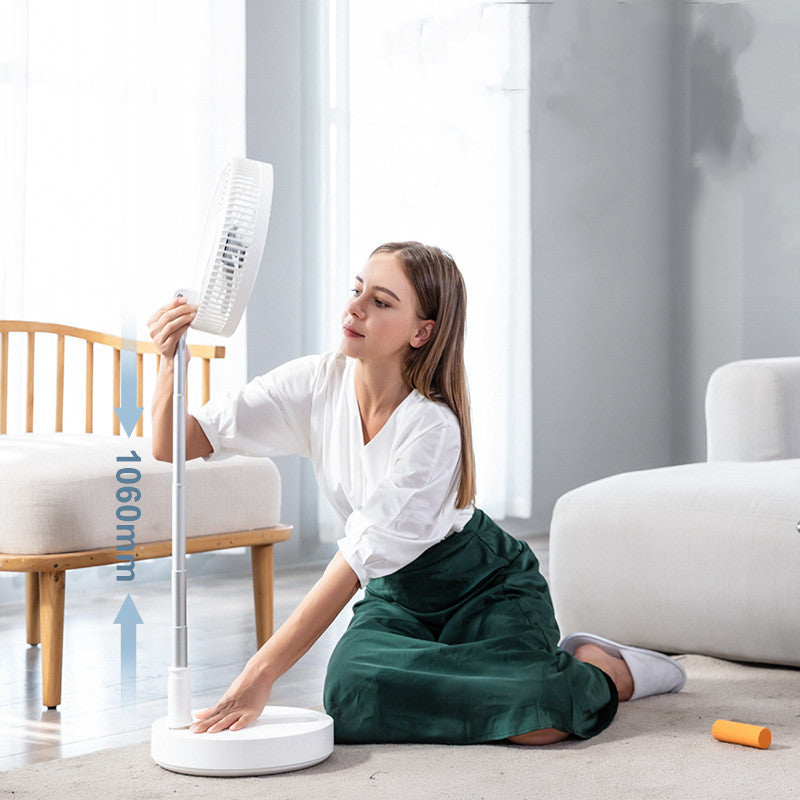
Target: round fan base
282,739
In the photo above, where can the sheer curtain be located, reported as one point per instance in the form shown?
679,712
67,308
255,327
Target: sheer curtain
115,119
428,138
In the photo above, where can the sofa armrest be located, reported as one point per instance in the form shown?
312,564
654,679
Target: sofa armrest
753,410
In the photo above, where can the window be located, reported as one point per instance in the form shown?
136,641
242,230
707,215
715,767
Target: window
428,138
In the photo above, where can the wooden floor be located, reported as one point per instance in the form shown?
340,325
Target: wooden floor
98,711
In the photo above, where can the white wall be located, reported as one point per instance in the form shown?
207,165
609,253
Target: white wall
742,193
601,182
665,204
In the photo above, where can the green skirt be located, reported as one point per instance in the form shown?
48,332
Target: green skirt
461,647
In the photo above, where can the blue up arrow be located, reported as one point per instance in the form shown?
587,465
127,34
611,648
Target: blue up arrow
129,412
128,618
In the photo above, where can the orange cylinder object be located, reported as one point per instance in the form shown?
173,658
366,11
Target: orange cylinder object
741,733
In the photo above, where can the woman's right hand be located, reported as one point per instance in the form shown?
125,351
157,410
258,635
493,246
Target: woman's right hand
240,705
169,323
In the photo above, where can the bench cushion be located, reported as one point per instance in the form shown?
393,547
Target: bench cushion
58,493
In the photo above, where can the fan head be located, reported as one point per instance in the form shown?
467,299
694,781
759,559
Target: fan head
231,245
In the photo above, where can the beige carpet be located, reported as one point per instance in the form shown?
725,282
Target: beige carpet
656,747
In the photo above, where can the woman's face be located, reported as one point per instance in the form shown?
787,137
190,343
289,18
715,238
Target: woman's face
382,310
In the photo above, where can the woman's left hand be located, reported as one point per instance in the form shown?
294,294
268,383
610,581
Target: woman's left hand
240,705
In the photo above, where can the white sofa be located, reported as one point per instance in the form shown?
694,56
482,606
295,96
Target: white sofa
696,558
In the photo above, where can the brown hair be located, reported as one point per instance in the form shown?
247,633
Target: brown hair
436,369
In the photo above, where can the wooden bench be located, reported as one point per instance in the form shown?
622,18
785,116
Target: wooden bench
45,572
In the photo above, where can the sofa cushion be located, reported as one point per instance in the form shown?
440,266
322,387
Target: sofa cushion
700,558
58,493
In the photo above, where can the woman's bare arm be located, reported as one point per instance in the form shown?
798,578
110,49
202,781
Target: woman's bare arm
197,443
246,697
166,326
320,607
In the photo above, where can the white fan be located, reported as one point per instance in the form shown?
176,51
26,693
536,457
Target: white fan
282,738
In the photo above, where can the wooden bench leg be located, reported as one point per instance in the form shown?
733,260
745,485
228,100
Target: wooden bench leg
261,557
32,607
51,586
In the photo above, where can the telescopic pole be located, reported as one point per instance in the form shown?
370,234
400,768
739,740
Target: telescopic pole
179,712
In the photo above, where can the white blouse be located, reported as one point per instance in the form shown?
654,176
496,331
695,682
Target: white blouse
395,494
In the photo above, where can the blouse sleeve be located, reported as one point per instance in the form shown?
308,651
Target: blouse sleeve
411,509
270,416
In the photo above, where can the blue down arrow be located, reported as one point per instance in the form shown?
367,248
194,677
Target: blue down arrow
128,412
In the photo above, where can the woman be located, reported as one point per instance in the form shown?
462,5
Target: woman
455,640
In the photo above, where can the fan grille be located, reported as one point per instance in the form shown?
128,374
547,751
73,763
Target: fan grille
232,243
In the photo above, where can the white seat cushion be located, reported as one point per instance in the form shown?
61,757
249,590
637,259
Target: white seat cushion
697,558
58,493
